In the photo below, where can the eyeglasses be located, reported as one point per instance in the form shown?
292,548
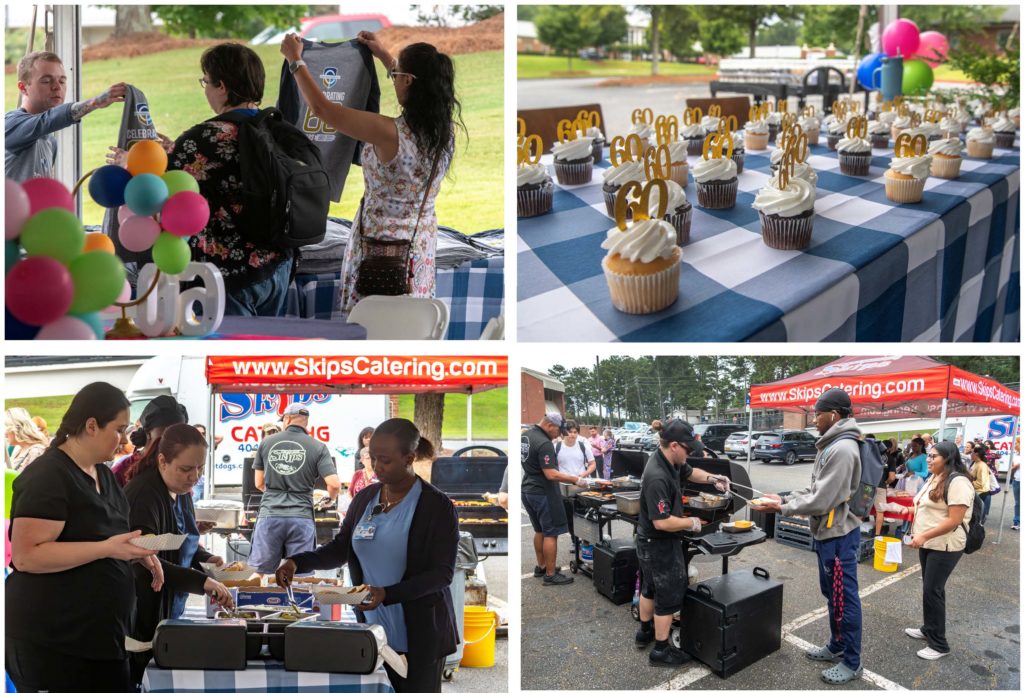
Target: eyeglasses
203,82
932,455
393,73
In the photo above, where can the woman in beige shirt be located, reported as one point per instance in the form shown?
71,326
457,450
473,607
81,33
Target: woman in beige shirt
942,511
25,437
982,476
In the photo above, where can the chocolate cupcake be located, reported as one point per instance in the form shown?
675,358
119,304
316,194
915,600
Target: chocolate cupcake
534,190
716,183
854,156
574,161
787,214
615,178
694,136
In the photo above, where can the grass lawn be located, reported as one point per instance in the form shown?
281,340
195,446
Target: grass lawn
490,414
50,408
470,199
546,66
945,73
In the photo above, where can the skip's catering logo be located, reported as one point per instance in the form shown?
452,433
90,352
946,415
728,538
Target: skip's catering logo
662,507
524,448
142,113
286,457
329,77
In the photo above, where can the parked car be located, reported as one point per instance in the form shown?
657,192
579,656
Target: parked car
644,442
788,446
737,444
714,435
330,27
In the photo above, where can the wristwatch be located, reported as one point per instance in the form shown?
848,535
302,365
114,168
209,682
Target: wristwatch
293,67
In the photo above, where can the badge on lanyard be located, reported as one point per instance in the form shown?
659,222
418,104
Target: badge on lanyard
365,530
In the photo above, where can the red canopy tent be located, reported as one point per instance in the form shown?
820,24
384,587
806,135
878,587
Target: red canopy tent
884,387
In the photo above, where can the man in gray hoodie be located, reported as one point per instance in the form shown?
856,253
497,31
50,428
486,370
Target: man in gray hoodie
836,531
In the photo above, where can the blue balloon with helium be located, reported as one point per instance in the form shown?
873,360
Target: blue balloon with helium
866,70
145,194
107,184
92,320
16,329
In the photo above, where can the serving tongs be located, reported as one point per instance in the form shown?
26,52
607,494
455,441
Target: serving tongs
749,488
291,598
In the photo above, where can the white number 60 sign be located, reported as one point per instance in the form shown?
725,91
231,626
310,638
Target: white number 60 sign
168,307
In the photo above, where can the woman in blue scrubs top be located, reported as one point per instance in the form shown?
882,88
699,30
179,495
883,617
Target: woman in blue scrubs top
400,538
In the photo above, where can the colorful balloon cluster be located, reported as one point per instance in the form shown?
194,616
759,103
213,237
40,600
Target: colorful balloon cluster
920,52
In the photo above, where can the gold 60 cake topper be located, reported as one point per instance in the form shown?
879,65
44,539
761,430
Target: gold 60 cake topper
718,146
795,143
641,207
785,172
630,148
666,129
530,150
658,162
756,113
728,124
692,116
589,119
857,127
642,115
907,145
715,110
569,129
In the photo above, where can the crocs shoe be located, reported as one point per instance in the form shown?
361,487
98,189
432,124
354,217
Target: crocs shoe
823,654
840,674
915,633
929,653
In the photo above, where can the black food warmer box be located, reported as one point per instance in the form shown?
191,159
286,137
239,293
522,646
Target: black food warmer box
464,480
615,569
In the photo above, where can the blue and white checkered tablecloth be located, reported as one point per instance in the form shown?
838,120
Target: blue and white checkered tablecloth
944,269
474,293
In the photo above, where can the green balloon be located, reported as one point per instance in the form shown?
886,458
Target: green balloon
53,232
99,278
917,77
9,476
171,253
179,180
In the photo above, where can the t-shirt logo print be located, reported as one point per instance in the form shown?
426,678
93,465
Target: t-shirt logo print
662,507
286,457
524,448
142,113
329,77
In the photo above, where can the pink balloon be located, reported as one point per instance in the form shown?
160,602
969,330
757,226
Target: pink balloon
901,37
17,209
934,48
39,290
138,233
123,212
185,213
126,293
66,327
44,193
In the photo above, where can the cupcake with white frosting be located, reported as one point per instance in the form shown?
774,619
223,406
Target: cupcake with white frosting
679,210
595,134
642,266
905,178
644,131
946,157
574,161
755,134
710,123
886,117
980,142
811,127
680,169
615,178
899,124
931,131
950,126
1014,114
836,132
774,122
694,136
716,183
787,214
739,151
854,156
879,134
534,190
1004,131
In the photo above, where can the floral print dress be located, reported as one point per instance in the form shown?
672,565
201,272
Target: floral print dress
391,203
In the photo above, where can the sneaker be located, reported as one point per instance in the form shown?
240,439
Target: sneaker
557,579
929,653
915,633
1015,528
668,657
538,572
644,637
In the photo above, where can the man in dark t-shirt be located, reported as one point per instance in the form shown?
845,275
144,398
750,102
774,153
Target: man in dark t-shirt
541,497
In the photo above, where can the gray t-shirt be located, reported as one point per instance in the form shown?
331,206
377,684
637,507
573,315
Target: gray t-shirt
291,461
30,145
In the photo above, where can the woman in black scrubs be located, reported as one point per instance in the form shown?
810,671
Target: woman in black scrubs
400,536
71,594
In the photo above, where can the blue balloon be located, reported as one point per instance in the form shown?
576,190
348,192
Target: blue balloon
145,194
866,70
92,320
11,255
107,184
16,329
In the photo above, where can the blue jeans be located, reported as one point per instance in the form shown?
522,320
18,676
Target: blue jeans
265,298
986,504
275,538
846,634
1016,502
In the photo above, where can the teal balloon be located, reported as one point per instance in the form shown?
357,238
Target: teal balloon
171,253
53,232
92,320
11,253
145,194
98,278
917,77
179,180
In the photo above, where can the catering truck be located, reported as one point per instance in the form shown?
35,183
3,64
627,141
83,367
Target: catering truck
998,429
238,417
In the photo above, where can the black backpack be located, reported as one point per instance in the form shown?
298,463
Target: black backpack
872,472
974,530
286,192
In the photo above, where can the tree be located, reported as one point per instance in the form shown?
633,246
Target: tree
825,24
428,408
610,21
444,15
565,28
720,36
679,30
227,21
131,19
526,13
750,18
782,33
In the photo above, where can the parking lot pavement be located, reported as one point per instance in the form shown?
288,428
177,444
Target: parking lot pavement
574,638
493,679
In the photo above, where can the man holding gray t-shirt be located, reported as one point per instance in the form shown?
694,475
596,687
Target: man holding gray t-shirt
286,467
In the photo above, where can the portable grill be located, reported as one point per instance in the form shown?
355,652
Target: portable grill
464,480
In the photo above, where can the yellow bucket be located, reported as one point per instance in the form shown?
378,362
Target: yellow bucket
481,627
880,563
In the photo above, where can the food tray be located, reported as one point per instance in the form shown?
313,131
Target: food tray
625,483
699,503
628,502
569,490
162,542
230,571
329,594
247,614
225,518
733,529
287,616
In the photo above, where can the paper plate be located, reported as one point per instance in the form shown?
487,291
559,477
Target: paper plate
220,574
328,594
162,542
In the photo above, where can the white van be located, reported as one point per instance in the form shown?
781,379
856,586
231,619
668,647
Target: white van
998,429
238,417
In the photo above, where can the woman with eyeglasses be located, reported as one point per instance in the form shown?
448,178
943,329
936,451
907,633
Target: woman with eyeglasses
399,537
942,512
404,163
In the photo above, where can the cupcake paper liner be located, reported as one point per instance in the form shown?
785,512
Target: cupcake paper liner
833,140
880,141
532,203
812,136
852,165
220,574
680,173
895,132
681,222
904,191
717,196
329,594
756,141
946,168
598,150
738,158
979,150
773,132
162,542
576,173
694,147
646,293
786,233
609,203
1004,140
